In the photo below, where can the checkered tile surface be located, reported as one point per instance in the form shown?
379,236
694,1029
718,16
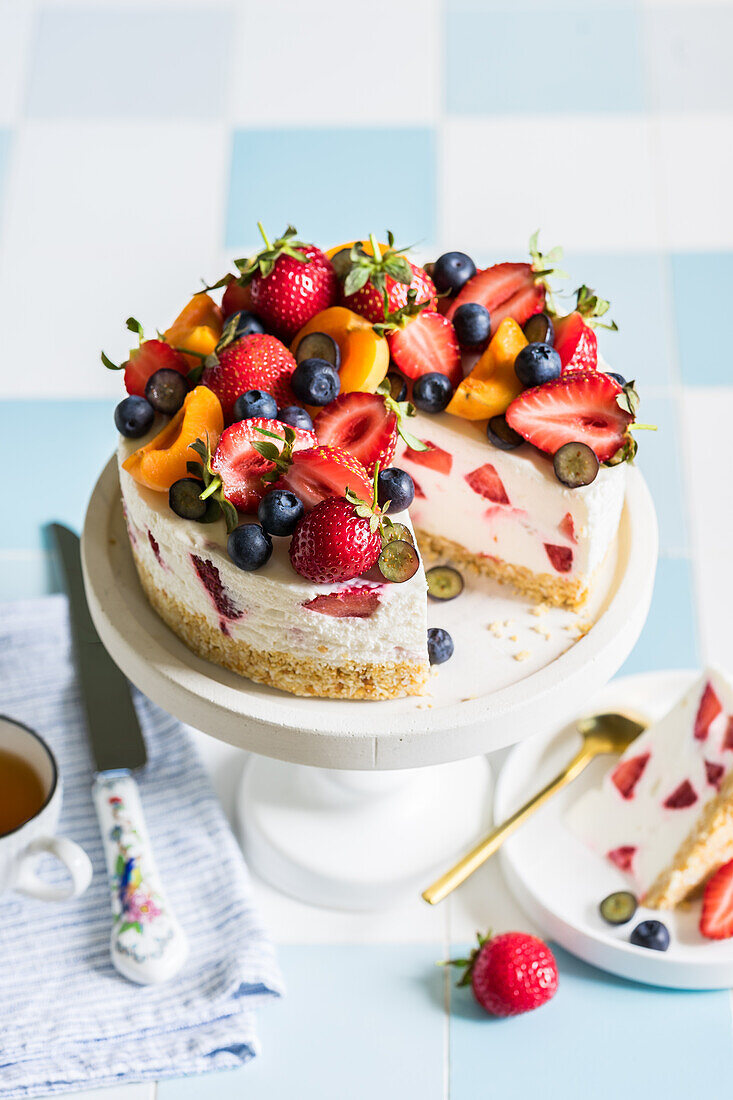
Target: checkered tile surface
140,143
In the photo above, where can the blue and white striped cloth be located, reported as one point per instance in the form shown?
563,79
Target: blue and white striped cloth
67,1019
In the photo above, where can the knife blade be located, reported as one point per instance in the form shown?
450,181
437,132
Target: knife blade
147,943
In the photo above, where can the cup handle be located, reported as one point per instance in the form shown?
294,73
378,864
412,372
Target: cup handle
74,859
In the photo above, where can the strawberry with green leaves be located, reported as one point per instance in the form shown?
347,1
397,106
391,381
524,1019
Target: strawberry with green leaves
575,339
378,283
150,356
257,362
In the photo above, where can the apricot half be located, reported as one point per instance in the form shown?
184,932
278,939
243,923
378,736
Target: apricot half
163,460
197,328
492,385
364,353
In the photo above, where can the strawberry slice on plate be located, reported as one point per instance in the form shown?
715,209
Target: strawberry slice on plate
716,919
317,473
240,466
579,407
427,344
366,425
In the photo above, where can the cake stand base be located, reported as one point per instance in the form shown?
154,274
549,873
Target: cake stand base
359,840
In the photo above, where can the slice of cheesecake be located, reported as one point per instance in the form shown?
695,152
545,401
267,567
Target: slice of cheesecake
664,813
505,514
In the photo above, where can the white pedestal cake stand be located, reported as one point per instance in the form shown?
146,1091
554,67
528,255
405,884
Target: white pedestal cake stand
358,836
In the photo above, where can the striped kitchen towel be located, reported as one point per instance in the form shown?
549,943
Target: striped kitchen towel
67,1019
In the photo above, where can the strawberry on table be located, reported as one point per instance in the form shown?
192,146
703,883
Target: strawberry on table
238,466
257,362
510,974
145,360
579,407
367,425
716,920
376,275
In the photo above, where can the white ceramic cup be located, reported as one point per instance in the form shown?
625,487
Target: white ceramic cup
20,848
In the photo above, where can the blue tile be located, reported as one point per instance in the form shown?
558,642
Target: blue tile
688,56
659,461
25,576
670,637
357,1022
335,184
599,1037
533,58
63,446
131,63
703,285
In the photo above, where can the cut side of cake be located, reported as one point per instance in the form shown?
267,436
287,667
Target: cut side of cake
664,813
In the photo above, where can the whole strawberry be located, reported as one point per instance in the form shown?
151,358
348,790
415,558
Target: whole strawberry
379,284
335,543
289,283
510,974
257,362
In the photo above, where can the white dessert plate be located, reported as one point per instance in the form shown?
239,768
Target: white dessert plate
513,671
559,882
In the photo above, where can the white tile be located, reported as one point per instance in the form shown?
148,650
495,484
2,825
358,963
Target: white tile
706,414
116,1092
101,222
484,904
335,62
16,28
695,158
715,607
586,181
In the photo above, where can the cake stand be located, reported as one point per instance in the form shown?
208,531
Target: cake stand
392,790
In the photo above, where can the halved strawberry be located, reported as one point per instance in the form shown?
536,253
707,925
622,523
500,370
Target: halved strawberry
435,458
427,343
561,557
709,709
627,774
144,361
321,472
367,425
495,285
716,919
576,343
241,467
349,603
580,407
623,857
486,482
520,307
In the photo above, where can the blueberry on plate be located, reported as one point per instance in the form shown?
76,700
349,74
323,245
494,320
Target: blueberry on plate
537,364
244,323
184,498
451,271
319,345
619,907
651,934
134,417
397,487
279,512
315,382
617,377
501,435
295,417
398,561
397,386
432,392
444,582
440,645
166,391
575,464
249,546
539,329
255,403
472,324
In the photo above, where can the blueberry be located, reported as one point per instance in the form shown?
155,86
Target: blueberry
501,435
319,345
575,464
472,324
451,271
397,487
651,934
539,329
398,561
255,403
134,417
249,546
295,417
619,907
315,381
444,582
244,323
537,364
166,391
279,512
432,392
397,386
617,377
184,498
440,645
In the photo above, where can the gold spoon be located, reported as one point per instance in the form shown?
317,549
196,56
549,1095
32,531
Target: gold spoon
601,733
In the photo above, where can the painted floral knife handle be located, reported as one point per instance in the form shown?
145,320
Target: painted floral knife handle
148,944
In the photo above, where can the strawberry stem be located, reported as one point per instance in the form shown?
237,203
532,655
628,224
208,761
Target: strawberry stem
265,238
211,488
376,251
